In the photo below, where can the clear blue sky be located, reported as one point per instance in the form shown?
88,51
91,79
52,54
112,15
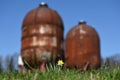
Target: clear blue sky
103,15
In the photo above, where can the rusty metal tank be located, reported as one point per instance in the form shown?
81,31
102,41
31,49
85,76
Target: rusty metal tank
83,47
42,36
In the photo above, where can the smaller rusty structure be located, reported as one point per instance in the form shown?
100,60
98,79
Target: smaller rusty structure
82,47
42,36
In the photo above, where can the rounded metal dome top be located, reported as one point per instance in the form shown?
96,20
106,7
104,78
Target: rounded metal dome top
43,15
81,28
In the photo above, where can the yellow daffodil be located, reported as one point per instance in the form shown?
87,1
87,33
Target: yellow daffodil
60,63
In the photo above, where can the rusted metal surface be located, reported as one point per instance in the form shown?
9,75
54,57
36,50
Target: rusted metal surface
42,36
82,47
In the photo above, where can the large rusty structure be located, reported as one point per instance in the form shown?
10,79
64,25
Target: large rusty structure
82,47
42,36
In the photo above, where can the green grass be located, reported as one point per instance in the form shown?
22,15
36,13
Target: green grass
55,73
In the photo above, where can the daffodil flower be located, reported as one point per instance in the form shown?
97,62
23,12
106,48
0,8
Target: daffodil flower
60,63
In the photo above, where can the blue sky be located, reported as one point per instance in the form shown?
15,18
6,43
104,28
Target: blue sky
103,15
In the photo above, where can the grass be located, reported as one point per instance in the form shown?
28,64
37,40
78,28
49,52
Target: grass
55,73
